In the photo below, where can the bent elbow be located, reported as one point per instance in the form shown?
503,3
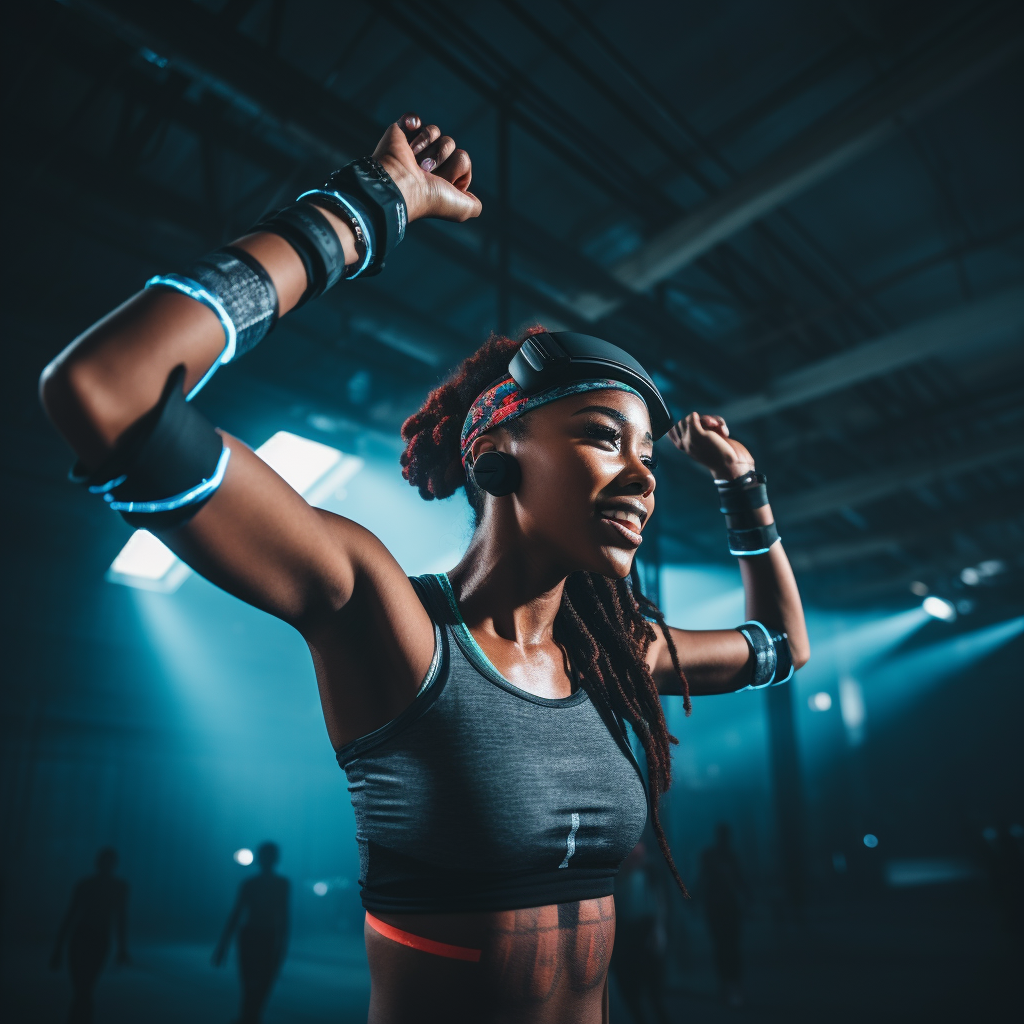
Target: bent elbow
801,655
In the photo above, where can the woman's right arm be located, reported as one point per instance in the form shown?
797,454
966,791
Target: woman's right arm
256,537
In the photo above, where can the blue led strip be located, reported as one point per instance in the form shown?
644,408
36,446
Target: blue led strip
109,485
771,643
195,494
363,226
759,551
194,290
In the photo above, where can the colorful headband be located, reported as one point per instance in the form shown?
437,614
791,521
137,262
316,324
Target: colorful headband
503,401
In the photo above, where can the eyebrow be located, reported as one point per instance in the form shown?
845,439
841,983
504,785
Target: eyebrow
619,417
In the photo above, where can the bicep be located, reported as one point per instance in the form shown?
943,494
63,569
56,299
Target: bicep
260,540
713,660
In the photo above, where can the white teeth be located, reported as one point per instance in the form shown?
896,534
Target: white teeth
627,517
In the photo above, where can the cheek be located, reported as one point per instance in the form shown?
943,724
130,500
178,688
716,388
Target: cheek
562,484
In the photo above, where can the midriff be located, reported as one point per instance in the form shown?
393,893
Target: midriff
536,965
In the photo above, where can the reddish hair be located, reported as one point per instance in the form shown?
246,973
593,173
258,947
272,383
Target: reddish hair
604,625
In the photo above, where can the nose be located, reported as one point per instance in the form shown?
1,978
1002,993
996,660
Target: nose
638,477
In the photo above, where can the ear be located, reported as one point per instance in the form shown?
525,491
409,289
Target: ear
484,443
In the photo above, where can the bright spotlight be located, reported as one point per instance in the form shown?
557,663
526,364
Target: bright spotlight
870,841
320,888
939,608
919,588
315,470
820,701
243,857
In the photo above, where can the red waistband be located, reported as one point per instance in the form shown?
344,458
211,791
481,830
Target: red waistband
418,942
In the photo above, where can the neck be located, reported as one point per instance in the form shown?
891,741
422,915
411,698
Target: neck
508,587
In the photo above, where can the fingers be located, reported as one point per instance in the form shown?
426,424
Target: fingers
456,168
715,423
436,152
424,147
410,124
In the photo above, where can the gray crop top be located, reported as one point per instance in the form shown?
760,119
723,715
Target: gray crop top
480,796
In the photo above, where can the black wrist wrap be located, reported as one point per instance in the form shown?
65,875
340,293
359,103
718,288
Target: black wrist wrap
164,457
366,179
755,540
317,244
743,494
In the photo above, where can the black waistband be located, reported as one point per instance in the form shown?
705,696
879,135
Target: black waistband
439,895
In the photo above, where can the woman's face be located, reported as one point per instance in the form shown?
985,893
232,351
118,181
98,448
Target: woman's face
587,486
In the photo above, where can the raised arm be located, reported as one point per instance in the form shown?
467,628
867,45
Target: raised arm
722,661
255,536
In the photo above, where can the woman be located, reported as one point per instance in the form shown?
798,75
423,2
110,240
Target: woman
477,714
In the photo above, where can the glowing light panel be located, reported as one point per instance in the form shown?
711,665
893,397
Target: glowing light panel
313,469
243,857
939,608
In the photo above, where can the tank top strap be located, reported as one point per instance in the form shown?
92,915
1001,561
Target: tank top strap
433,598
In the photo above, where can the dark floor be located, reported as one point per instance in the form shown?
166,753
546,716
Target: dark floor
877,963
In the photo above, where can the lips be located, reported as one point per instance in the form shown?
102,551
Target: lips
627,522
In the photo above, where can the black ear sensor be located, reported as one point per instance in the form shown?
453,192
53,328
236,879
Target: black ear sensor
497,473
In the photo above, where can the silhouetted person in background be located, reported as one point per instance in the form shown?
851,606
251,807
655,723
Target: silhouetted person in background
263,936
721,885
98,905
641,935
1006,869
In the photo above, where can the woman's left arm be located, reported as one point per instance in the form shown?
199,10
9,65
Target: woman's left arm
721,661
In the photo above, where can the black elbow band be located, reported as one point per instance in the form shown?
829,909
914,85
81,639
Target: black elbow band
773,662
169,463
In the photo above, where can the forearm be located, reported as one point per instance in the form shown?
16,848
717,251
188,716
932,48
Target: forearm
772,596
113,373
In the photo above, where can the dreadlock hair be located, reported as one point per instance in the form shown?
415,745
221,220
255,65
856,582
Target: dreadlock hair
604,625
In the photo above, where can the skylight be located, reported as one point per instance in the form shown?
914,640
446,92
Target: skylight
315,470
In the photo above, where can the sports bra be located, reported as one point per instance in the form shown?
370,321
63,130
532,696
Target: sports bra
481,796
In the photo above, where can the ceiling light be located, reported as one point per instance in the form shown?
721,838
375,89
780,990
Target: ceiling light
820,701
970,576
918,588
870,841
243,857
939,608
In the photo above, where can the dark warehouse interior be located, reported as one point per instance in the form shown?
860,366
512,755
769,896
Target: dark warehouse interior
806,217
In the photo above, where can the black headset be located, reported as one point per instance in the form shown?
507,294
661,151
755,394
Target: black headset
549,359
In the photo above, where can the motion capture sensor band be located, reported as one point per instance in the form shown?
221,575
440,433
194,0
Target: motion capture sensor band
773,660
316,243
349,209
753,541
549,358
366,180
238,290
169,463
743,494
503,402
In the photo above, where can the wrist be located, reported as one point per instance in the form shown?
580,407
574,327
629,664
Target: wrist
731,470
409,183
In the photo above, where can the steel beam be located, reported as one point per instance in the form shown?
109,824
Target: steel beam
905,476
960,58
974,323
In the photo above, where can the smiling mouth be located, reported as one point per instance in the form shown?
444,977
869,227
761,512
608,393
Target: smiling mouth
625,522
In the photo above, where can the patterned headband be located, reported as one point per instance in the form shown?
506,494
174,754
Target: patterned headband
503,401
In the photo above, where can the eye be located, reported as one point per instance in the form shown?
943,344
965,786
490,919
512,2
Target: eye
601,432
650,461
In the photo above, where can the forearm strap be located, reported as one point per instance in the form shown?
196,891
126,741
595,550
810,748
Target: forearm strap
739,499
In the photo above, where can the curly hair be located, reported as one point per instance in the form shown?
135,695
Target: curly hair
604,625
